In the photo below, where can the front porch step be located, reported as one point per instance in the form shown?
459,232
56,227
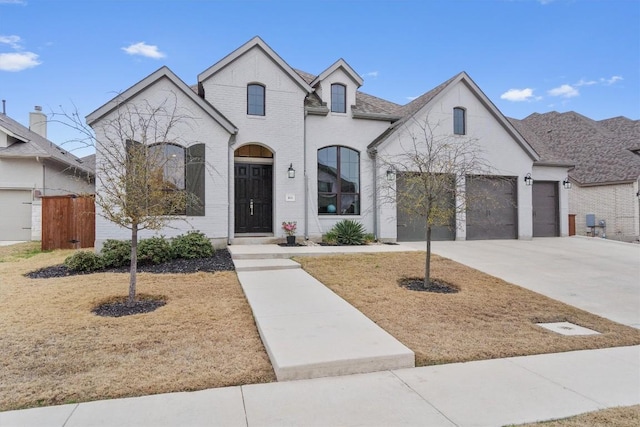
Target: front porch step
256,240
264,264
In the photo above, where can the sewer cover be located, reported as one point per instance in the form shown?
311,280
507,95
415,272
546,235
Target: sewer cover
567,328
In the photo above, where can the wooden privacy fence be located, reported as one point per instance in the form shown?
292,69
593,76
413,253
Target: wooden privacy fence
68,222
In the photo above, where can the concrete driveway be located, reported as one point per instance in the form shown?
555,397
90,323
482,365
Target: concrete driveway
597,275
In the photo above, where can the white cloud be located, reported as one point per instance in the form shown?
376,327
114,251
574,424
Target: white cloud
143,49
13,2
373,74
518,95
411,98
584,82
565,91
544,2
18,61
611,80
12,41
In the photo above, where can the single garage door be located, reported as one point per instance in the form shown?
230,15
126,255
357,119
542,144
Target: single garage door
412,228
15,206
545,209
492,211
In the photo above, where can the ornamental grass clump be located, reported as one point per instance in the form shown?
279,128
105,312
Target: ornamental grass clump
347,232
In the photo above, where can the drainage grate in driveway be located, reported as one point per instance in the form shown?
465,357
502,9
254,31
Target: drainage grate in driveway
567,328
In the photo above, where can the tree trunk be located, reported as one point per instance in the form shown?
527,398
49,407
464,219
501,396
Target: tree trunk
134,265
427,266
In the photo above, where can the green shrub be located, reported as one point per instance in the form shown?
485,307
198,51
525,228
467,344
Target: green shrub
83,261
154,250
348,232
194,244
369,238
116,253
330,237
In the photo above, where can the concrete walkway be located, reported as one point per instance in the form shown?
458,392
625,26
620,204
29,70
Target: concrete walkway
307,330
484,393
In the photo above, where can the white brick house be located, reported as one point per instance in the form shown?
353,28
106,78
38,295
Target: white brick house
286,145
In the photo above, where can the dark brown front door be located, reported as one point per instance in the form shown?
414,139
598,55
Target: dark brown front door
253,198
545,209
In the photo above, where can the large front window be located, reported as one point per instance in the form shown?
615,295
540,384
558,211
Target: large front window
172,175
338,181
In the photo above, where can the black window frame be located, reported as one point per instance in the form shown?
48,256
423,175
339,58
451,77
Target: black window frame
339,193
194,175
339,101
459,121
264,100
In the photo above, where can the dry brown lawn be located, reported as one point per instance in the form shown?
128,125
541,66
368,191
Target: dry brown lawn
53,350
628,416
488,318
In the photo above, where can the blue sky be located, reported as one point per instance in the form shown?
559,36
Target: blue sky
526,55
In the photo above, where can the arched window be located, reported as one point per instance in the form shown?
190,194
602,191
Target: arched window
255,99
338,98
459,121
338,181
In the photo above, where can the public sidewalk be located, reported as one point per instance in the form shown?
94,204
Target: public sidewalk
483,393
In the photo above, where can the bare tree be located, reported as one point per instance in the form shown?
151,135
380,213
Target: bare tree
140,167
430,169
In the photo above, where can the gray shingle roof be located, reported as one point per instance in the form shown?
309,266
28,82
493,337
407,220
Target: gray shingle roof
600,150
29,144
365,103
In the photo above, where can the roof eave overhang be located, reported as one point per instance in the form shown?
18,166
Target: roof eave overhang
317,111
543,163
375,116
163,72
14,135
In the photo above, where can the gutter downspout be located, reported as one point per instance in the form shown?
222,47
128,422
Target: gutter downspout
306,178
230,194
373,153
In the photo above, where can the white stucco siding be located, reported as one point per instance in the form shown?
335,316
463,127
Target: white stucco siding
616,204
60,179
194,127
499,150
342,130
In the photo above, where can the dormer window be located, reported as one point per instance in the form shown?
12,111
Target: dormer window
255,99
459,121
338,98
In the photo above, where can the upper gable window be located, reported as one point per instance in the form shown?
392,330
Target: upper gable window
255,100
338,98
459,121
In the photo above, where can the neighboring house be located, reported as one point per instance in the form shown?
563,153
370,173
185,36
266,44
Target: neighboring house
31,166
286,145
606,155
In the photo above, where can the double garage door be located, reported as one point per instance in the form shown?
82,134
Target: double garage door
15,206
492,211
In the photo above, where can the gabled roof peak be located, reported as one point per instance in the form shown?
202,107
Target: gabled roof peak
255,42
340,63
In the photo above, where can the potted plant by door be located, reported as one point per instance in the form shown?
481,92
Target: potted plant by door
289,228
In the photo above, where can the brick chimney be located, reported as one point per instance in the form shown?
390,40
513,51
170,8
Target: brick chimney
38,122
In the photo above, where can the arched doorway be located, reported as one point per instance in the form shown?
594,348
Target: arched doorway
253,183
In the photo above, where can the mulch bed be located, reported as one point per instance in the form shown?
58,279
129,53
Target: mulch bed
120,308
417,284
220,261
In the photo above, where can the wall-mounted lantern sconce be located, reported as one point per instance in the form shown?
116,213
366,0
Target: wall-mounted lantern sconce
567,184
291,171
527,179
638,194
390,174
